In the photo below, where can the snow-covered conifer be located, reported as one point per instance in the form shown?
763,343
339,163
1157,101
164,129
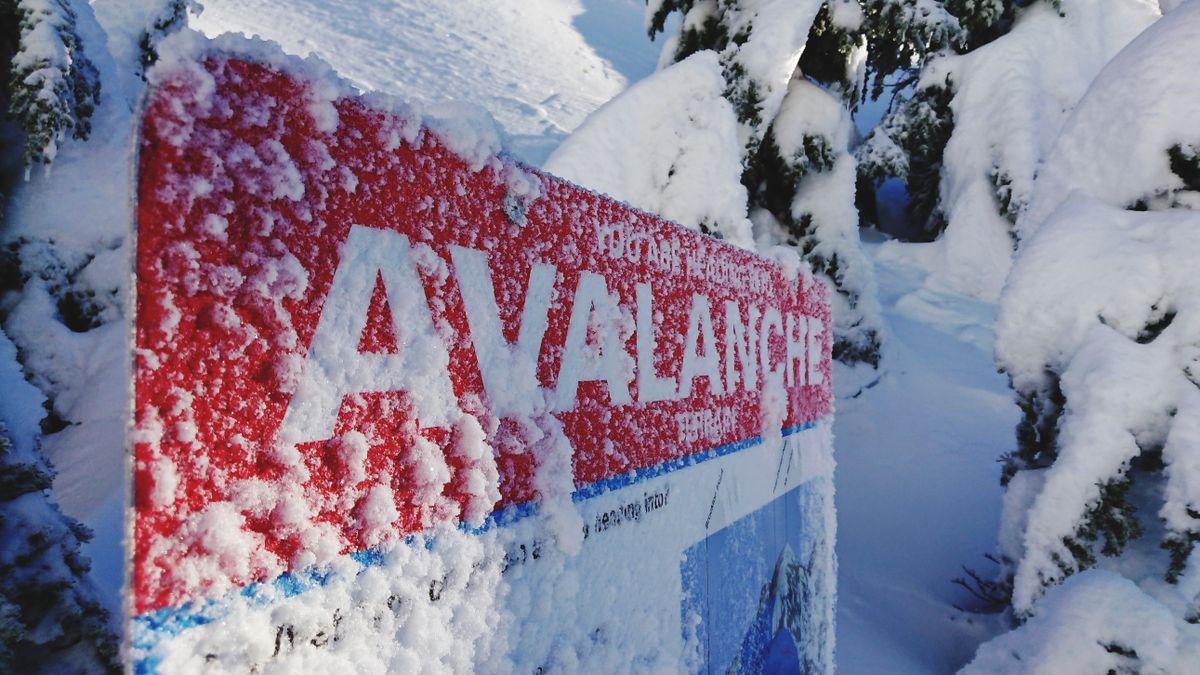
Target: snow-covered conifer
794,135
990,102
1098,333
50,617
52,87
163,17
909,144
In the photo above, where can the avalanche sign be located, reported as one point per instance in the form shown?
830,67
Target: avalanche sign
403,403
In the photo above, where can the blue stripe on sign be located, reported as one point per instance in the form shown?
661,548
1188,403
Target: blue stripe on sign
153,626
516,512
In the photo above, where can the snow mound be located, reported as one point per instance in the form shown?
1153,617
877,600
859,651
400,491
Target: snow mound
1095,623
668,145
1141,105
1011,99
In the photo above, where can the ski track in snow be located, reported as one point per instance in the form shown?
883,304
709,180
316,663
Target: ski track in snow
918,489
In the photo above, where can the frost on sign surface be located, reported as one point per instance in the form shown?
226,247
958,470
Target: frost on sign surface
347,333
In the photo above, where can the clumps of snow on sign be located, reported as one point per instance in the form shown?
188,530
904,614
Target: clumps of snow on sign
1096,622
668,145
186,49
524,188
794,268
403,124
322,96
772,412
262,198
1097,332
468,130
432,605
1012,97
553,476
352,452
481,479
219,547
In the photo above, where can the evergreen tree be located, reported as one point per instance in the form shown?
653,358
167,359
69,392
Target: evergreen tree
50,617
765,84
1106,381
909,142
52,87
853,49
169,16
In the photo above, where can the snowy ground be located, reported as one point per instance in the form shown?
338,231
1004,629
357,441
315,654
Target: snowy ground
918,490
538,66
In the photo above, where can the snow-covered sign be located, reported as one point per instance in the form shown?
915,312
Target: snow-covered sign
400,400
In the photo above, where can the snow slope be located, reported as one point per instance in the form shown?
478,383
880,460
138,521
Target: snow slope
538,66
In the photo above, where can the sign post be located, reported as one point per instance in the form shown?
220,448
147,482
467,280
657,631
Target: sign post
401,404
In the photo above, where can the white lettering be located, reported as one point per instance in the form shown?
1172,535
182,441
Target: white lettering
578,364
651,387
815,355
334,368
771,319
739,348
795,349
509,371
706,364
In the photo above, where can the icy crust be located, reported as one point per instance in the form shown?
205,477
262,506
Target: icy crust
1011,99
669,145
1107,301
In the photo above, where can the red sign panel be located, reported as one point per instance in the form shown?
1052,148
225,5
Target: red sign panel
347,332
